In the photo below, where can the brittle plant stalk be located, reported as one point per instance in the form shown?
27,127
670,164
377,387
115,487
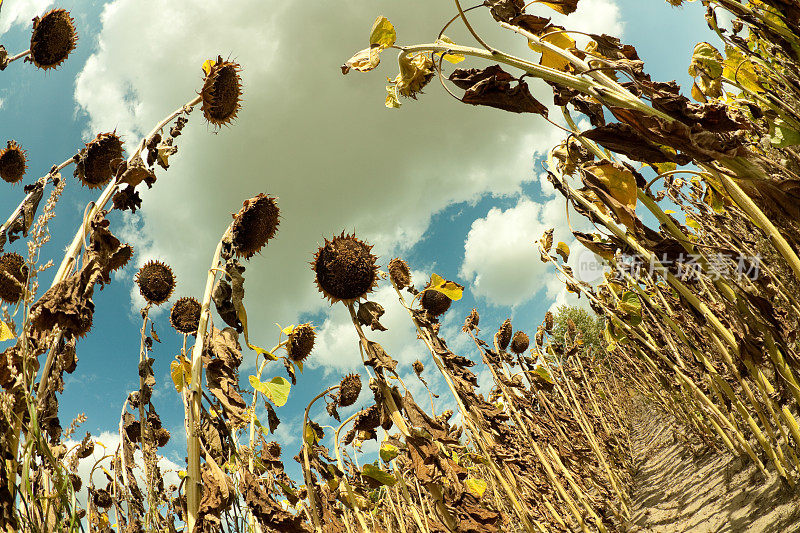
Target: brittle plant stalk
195,394
312,493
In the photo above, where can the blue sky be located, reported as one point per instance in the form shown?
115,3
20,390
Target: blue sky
414,181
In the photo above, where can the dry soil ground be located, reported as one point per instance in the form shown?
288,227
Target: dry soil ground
677,490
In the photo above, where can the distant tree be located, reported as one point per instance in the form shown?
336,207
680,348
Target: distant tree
571,322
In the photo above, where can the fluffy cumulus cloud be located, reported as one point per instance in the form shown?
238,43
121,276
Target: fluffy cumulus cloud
21,12
322,142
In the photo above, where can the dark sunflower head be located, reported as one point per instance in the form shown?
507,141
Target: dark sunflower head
185,315
418,367
520,342
156,282
222,92
274,449
548,321
13,273
53,38
301,342
13,162
346,269
504,334
349,389
400,273
255,223
434,302
98,161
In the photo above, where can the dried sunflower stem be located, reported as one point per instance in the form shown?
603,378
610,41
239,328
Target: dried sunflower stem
144,425
71,256
482,439
18,211
18,56
195,394
307,466
340,464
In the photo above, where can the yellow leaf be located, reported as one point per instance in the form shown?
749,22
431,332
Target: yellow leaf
383,33
449,288
476,487
452,58
563,250
207,64
669,212
363,61
739,69
5,332
550,58
619,181
392,102
288,330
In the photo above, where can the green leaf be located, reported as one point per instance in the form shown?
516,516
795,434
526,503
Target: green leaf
450,289
5,332
276,389
476,487
389,452
382,477
563,250
310,435
383,33
782,135
542,373
630,304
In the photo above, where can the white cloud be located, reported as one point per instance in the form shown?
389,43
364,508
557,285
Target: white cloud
500,255
320,141
21,12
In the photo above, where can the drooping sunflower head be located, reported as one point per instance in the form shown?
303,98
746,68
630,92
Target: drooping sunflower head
399,273
185,315
98,161
255,224
345,269
504,334
13,274
13,162
434,302
301,342
349,389
520,342
222,92
156,282
53,38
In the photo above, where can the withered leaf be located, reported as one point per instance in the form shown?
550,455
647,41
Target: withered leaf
127,199
496,93
532,23
222,358
135,172
369,314
466,78
505,10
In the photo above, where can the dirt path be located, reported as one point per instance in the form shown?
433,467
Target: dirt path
675,490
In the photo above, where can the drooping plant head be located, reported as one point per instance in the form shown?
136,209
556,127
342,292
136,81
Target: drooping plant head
13,162
504,334
185,315
99,160
156,282
222,91
345,269
520,342
399,273
349,389
13,274
255,224
434,302
301,342
53,38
